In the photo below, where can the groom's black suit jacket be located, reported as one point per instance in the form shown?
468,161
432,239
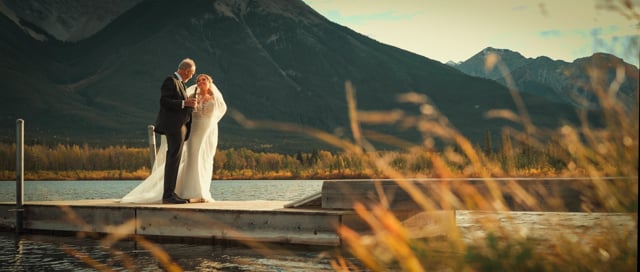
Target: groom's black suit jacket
172,116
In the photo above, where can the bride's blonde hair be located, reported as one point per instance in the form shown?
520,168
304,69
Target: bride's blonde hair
205,75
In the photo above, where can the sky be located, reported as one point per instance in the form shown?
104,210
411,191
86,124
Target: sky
455,30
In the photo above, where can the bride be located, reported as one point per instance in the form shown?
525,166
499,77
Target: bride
196,166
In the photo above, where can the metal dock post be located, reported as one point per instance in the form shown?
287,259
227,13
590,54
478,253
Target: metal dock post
19,174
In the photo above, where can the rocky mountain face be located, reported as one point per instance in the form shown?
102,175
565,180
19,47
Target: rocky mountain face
575,83
66,20
273,60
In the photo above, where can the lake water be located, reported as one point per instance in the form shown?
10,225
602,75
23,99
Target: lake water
46,253
108,189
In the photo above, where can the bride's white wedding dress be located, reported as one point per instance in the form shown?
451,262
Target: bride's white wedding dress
196,166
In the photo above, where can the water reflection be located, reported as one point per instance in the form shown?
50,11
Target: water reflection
46,253
19,246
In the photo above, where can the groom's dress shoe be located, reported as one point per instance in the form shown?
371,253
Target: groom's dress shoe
174,195
174,200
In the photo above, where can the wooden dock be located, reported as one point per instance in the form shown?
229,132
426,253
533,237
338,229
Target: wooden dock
312,220
250,221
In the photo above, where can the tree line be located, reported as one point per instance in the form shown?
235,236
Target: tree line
228,163
120,162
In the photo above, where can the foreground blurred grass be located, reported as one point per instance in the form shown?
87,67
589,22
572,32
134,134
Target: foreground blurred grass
594,153
584,151
578,151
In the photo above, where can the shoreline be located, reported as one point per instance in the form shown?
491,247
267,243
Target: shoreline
141,175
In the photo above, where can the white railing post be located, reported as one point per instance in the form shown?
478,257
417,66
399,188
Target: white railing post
152,144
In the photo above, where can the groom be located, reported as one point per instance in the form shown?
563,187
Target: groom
174,121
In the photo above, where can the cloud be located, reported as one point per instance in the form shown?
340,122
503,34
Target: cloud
551,33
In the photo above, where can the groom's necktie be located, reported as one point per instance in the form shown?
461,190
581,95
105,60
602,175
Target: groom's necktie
184,89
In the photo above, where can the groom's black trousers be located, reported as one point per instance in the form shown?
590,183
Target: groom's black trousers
175,142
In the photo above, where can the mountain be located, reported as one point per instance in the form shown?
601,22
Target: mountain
475,65
273,60
558,80
66,20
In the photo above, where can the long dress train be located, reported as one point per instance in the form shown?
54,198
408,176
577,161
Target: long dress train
196,166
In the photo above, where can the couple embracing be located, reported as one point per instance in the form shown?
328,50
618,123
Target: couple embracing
188,124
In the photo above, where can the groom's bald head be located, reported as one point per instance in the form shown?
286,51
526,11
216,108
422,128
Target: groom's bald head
186,69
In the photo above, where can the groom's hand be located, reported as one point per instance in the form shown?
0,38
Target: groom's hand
191,102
